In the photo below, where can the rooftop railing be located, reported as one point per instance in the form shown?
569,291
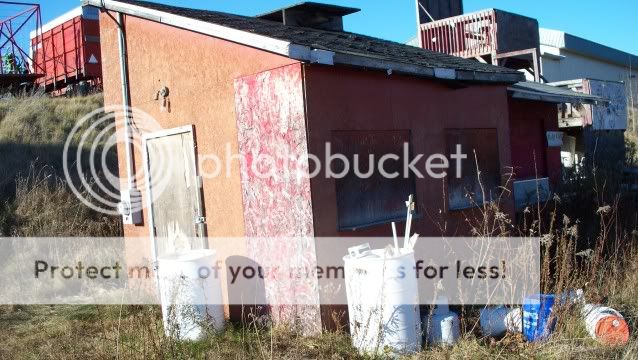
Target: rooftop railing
467,36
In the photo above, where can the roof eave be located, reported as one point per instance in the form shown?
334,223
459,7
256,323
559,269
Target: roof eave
555,98
299,52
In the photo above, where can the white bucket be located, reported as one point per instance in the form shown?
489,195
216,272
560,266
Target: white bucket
383,303
443,327
605,324
496,321
190,292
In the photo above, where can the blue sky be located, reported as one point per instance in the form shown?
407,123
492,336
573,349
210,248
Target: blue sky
600,21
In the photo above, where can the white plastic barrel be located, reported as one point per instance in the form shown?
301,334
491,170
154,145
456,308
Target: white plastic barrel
443,326
605,324
496,321
383,304
190,292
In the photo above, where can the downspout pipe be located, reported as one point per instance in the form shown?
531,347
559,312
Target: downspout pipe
126,101
130,206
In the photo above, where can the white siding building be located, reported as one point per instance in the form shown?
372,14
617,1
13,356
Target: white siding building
568,57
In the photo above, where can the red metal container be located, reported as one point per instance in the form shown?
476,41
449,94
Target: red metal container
68,51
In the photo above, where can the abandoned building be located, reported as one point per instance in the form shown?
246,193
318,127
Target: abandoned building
587,134
293,79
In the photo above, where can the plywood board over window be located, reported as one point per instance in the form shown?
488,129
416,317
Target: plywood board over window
373,199
480,175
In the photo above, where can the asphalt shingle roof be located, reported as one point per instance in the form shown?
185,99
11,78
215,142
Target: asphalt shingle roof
338,42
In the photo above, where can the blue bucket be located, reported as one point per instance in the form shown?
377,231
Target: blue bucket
538,324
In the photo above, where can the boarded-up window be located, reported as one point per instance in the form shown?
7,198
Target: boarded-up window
377,199
481,148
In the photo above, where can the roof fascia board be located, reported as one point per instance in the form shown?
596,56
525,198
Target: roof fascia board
446,74
276,46
380,64
529,95
553,98
575,82
422,71
494,77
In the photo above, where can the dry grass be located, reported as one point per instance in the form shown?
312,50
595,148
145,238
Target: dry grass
92,331
79,332
44,206
33,129
40,119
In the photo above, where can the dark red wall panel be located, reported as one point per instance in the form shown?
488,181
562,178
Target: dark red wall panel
529,122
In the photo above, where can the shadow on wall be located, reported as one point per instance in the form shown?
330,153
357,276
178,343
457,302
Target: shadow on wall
246,292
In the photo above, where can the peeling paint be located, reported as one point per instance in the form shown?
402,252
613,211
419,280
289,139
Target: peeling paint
271,121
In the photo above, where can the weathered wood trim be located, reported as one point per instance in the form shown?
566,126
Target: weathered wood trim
381,64
167,132
538,96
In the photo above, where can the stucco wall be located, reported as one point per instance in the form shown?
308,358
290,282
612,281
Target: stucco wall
199,71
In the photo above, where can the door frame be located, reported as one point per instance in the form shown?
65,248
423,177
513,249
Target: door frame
149,195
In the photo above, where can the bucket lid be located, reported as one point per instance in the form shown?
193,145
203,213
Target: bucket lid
612,330
536,299
380,255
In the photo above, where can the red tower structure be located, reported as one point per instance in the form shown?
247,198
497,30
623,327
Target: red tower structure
17,65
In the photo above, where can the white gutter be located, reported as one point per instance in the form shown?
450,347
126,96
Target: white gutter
294,51
518,93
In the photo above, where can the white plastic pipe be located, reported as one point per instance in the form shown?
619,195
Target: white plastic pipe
413,241
408,222
394,235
